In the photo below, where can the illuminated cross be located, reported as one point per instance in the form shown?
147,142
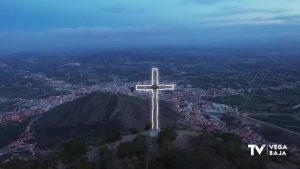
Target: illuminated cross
154,88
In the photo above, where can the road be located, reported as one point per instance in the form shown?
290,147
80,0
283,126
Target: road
272,125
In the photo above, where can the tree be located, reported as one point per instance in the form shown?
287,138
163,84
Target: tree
107,157
75,147
147,127
84,164
113,135
124,149
16,164
139,145
167,136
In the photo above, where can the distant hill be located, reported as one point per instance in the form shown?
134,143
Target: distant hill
93,115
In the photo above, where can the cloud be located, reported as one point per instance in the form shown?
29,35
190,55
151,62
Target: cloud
253,21
124,9
242,10
294,19
84,38
108,32
95,38
117,9
203,1
237,11
235,15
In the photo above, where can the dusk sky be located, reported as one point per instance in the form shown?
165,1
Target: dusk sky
96,24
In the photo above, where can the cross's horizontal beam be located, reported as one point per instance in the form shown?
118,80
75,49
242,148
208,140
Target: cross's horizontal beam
154,87
143,87
166,87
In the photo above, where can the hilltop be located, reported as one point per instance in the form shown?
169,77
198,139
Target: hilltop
95,115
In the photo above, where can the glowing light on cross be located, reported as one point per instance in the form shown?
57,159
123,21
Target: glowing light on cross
154,88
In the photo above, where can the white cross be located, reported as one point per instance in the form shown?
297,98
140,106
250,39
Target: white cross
154,87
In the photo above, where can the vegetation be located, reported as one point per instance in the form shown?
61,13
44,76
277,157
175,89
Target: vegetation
270,106
138,147
75,147
11,132
207,151
107,157
7,106
17,164
147,127
285,121
166,136
112,135
82,164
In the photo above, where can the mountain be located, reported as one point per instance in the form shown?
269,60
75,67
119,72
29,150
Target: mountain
95,114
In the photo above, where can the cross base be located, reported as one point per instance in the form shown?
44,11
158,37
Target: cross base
154,133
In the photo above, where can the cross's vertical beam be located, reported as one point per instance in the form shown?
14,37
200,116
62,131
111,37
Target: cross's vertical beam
154,76
155,124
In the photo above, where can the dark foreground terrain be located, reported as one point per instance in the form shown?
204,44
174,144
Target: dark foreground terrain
172,150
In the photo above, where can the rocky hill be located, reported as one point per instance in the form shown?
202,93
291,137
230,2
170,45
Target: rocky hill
92,116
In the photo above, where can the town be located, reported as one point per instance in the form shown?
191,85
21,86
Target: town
198,114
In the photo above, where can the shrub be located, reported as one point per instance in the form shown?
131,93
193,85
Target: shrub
167,136
75,147
113,135
139,145
124,149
